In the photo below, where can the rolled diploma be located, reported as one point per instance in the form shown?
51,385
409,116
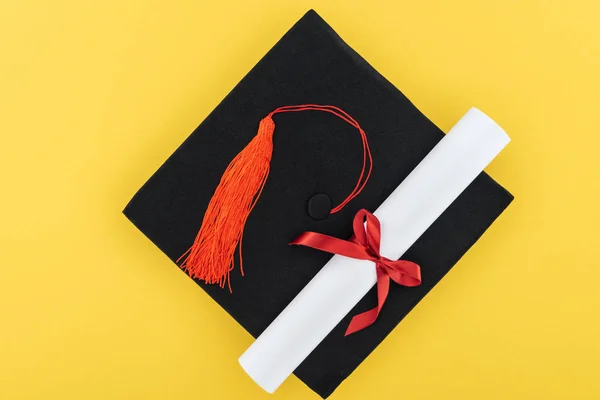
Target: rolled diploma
405,215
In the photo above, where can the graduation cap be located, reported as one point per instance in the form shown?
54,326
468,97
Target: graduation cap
310,138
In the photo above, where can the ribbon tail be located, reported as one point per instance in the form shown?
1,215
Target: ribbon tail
367,318
362,320
332,245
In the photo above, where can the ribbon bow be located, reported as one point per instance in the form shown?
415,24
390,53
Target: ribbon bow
364,245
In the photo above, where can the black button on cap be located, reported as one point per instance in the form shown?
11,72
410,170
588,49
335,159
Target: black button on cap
319,206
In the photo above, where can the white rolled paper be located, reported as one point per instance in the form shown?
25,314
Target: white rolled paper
405,215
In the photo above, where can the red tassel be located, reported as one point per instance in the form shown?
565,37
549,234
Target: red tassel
211,257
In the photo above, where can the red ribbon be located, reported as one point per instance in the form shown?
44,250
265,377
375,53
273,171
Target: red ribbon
364,245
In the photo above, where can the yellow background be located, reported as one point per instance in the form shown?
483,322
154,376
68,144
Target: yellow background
95,95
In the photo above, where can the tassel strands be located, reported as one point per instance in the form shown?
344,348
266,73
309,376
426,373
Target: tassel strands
211,256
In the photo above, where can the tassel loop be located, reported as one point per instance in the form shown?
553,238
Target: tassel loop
211,256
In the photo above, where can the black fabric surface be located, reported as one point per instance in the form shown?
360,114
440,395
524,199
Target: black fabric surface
313,153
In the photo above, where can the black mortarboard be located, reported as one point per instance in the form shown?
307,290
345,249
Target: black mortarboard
315,164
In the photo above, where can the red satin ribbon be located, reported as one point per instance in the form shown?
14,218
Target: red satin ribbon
364,245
